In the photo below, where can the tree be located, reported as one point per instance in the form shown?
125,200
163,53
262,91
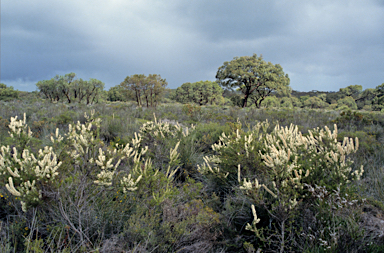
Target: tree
136,84
117,93
303,99
351,91
366,98
286,102
315,102
156,87
333,97
253,76
80,88
296,102
378,101
7,92
149,88
94,89
202,93
65,84
49,89
271,101
70,88
347,101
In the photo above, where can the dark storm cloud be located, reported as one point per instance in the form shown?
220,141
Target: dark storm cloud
322,45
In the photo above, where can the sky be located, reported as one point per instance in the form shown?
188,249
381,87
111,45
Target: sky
322,45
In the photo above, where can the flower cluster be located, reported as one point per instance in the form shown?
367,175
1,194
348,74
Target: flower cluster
246,140
90,155
24,171
163,129
207,168
19,127
291,160
291,156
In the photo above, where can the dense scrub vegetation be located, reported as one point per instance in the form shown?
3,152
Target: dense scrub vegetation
256,167
7,93
115,177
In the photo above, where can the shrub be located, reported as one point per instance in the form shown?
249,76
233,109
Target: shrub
277,171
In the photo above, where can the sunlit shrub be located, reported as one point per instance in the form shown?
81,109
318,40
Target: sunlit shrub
273,168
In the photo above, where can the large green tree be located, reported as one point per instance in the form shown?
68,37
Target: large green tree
254,77
155,87
202,93
65,84
49,89
148,88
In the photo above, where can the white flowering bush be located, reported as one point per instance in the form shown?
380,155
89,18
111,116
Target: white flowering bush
26,173
239,147
283,162
318,157
162,135
92,158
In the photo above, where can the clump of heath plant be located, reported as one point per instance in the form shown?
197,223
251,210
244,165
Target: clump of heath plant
24,172
27,173
80,185
288,164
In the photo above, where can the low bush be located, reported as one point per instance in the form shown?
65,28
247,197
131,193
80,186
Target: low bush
124,180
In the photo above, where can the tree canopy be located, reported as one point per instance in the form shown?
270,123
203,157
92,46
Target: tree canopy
378,101
72,89
352,91
7,92
148,88
347,101
202,93
254,77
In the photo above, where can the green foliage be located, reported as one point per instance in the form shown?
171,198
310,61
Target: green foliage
278,171
148,88
201,93
314,102
347,101
254,77
378,101
271,101
68,88
287,102
152,197
117,93
358,120
366,98
351,91
193,111
8,93
333,97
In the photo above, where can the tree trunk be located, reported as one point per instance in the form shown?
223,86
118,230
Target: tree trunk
245,100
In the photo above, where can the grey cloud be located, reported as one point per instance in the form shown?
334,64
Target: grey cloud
322,45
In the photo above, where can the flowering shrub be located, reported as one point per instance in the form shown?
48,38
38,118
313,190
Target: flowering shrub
285,161
26,172
268,187
87,152
239,147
